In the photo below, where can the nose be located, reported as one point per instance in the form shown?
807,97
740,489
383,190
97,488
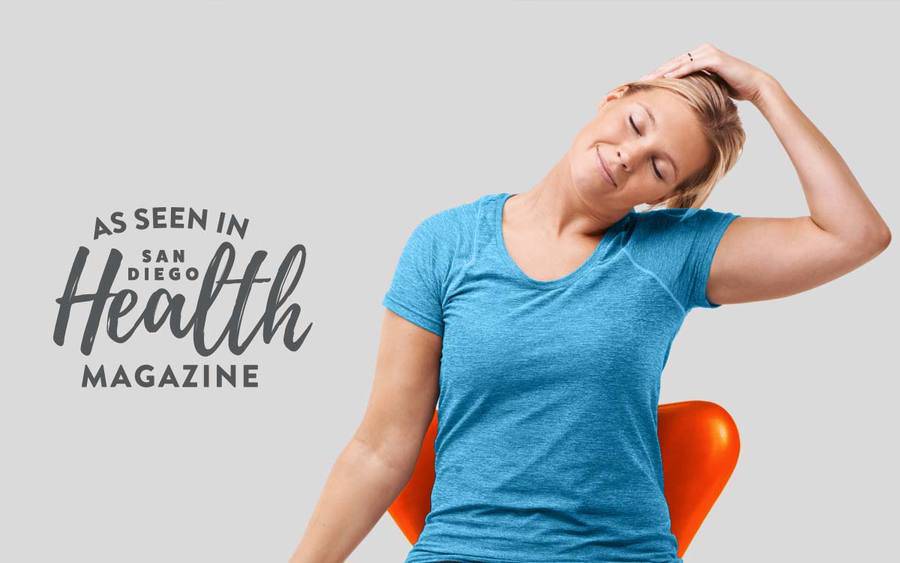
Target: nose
624,158
629,155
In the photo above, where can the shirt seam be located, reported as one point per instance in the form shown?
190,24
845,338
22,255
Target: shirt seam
446,281
464,268
659,281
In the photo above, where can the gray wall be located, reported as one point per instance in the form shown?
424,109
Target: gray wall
340,126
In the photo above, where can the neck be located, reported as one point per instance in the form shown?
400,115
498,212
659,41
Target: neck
558,209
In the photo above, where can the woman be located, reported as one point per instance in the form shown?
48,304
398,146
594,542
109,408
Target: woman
538,325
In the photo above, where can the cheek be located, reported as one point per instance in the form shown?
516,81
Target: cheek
652,184
611,130
642,182
646,188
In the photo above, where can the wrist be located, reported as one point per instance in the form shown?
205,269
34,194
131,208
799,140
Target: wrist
769,89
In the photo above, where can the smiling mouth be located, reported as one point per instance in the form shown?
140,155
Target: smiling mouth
606,173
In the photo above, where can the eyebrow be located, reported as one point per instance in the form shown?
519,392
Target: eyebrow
665,154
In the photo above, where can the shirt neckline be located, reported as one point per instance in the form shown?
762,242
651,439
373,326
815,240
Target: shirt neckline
596,256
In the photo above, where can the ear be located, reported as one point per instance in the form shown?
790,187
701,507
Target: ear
612,95
661,199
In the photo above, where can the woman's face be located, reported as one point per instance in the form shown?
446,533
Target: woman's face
650,141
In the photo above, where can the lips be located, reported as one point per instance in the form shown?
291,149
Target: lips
603,168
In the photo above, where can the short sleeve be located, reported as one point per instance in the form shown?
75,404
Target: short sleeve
416,289
678,246
702,230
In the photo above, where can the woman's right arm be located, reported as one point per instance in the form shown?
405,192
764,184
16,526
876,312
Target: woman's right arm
379,459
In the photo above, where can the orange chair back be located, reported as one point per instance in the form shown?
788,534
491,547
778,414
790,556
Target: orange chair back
699,444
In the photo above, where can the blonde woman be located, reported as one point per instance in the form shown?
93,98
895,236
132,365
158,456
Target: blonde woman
538,324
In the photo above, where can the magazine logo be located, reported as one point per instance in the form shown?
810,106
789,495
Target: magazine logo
118,311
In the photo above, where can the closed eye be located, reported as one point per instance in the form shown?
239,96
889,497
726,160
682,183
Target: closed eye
655,169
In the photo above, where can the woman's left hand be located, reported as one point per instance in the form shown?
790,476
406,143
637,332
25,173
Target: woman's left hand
744,79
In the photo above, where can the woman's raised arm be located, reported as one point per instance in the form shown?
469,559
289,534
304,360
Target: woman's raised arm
765,258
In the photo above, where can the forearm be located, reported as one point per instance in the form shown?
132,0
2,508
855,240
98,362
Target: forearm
358,491
836,201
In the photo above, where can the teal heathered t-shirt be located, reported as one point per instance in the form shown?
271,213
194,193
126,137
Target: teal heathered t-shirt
547,447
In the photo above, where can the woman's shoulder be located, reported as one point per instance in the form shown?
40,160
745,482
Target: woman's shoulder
678,217
459,219
676,226
677,245
451,232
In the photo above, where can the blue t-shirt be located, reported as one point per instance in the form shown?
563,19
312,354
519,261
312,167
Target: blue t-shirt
547,447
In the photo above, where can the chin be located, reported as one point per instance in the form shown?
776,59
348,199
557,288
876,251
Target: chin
594,195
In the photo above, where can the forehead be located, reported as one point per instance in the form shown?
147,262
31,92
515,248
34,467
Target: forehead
668,108
677,125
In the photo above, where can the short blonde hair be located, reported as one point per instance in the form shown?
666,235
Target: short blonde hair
707,95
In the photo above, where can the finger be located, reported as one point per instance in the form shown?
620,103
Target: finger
675,63
668,66
663,73
683,69
656,73
652,76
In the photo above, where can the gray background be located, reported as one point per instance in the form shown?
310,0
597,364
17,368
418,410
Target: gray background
341,126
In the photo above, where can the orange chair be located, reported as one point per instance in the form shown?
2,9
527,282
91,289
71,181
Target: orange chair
699,444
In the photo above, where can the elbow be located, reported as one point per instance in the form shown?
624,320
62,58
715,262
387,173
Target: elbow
876,243
881,239
875,237
886,238
868,245
395,460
